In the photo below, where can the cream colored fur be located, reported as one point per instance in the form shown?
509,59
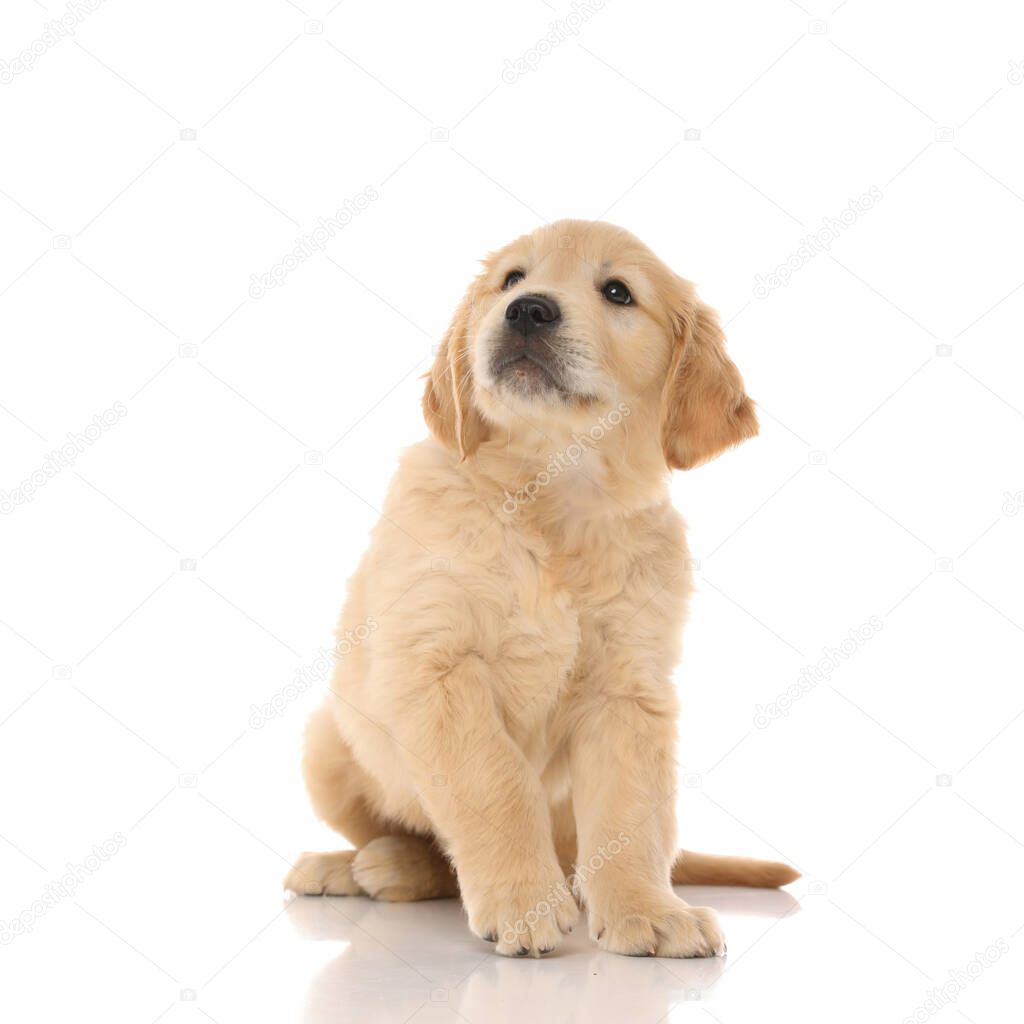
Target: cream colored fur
509,717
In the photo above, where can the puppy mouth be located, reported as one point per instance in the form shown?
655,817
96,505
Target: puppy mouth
527,372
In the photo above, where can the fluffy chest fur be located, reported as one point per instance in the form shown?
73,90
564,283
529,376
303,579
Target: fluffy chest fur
561,595
561,609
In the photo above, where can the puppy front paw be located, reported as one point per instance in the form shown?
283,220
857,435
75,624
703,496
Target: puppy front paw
523,916
656,925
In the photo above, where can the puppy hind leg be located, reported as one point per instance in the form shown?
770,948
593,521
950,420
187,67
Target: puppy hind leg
340,793
403,868
339,789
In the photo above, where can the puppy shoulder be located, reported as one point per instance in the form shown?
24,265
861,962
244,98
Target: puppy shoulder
434,508
428,475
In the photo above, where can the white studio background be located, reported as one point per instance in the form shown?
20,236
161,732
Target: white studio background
192,557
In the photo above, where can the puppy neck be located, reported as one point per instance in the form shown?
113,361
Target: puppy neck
612,467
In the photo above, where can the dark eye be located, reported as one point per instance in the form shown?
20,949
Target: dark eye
617,292
512,280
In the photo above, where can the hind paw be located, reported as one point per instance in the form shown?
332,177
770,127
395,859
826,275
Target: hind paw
400,869
324,874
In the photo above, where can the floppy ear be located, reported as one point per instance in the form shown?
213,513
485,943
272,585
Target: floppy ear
704,409
447,398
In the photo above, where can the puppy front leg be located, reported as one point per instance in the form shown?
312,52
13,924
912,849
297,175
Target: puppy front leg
489,808
623,779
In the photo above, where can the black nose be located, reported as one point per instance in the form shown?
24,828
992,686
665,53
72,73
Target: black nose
531,312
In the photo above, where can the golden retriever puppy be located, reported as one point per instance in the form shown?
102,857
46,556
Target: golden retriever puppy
502,712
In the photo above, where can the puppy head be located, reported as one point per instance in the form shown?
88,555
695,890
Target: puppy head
567,323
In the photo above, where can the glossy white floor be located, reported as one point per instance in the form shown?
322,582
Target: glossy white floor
337,959
183,927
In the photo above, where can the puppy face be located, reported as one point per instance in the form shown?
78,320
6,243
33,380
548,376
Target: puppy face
566,320
566,323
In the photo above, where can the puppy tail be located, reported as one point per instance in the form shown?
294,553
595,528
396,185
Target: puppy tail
712,869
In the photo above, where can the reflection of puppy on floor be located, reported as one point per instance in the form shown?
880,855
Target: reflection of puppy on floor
510,718
423,949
